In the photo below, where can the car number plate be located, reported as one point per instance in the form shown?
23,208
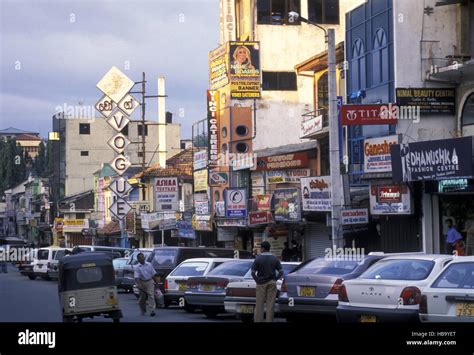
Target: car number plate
465,309
246,308
208,287
368,319
182,287
307,291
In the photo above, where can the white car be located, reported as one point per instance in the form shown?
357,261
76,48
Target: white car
390,290
450,297
46,263
240,296
175,282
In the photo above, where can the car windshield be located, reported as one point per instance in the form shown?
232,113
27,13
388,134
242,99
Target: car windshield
191,269
232,268
163,257
328,267
91,274
405,269
457,275
43,254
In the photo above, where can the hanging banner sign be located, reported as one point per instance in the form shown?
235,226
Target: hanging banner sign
200,180
200,160
235,203
166,194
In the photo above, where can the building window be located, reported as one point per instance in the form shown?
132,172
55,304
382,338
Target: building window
84,153
242,130
279,80
275,12
323,89
379,57
140,130
140,154
468,111
323,11
84,128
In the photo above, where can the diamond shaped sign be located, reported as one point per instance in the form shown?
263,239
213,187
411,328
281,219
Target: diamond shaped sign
118,121
115,84
120,164
118,143
120,208
105,106
120,186
128,104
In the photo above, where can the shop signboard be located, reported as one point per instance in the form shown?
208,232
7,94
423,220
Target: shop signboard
166,194
200,160
316,193
217,178
218,73
390,199
244,65
202,223
432,101
75,225
258,218
287,205
231,222
354,216
377,114
286,176
284,161
377,158
235,203
433,160
185,230
200,180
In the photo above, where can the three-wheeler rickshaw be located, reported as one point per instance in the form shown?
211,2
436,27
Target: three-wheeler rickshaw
86,286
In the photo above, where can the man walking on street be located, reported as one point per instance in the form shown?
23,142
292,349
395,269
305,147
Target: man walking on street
145,276
264,270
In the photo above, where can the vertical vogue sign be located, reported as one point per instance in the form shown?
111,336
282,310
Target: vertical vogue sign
433,160
166,194
116,105
213,126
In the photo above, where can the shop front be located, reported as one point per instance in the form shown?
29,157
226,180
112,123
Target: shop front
443,169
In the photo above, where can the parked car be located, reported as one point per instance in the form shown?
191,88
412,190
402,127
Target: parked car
53,272
208,292
450,297
175,282
313,287
390,290
26,266
165,259
240,296
46,265
119,264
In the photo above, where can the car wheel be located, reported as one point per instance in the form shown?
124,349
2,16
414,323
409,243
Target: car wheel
210,312
67,319
31,277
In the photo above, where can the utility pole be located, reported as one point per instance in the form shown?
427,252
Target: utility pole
335,170
336,182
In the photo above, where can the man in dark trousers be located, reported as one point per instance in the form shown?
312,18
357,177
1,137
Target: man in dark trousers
264,272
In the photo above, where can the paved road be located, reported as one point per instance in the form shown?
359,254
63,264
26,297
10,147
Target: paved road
24,300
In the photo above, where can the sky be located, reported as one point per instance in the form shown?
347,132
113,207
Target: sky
54,52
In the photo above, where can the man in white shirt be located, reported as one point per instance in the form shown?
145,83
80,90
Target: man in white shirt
145,278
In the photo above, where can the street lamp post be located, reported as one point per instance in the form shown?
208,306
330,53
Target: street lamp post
335,170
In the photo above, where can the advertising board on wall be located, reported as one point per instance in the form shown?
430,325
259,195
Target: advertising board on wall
244,65
166,194
390,199
377,158
287,205
235,203
316,193
213,110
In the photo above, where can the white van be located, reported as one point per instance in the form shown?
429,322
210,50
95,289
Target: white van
47,260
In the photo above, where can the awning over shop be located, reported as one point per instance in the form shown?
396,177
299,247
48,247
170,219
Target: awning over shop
455,72
111,229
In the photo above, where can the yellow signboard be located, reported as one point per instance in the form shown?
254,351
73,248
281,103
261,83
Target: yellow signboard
200,180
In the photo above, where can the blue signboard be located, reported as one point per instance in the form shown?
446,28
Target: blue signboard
185,229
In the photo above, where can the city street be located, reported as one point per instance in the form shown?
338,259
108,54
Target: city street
23,300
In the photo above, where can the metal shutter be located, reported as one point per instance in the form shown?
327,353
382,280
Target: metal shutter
316,240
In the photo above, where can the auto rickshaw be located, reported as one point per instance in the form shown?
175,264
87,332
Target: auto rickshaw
86,286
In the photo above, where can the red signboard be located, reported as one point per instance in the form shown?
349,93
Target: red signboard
368,114
388,194
264,202
260,218
284,161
